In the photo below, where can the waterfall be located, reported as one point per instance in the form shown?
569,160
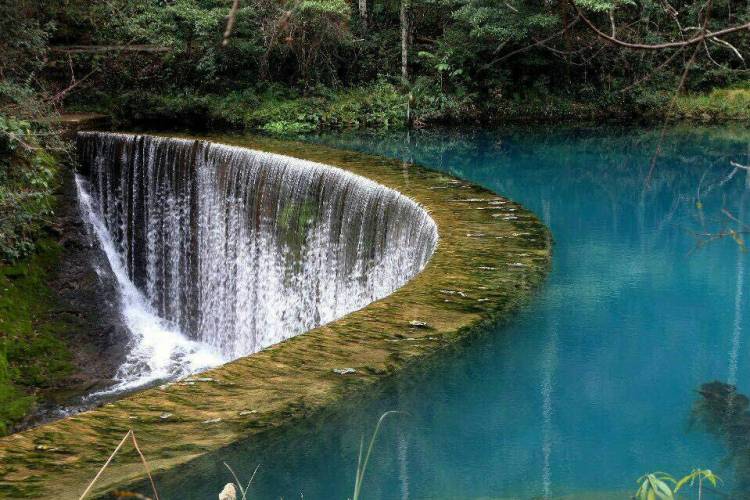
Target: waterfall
221,251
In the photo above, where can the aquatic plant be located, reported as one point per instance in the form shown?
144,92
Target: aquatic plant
229,492
655,485
700,475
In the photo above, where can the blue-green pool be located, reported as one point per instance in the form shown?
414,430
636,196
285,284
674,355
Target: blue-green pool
595,382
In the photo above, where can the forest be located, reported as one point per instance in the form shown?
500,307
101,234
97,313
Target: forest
296,66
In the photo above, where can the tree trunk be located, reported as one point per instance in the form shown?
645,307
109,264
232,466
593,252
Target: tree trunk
363,14
405,38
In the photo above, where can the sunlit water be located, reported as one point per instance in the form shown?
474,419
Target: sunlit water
594,382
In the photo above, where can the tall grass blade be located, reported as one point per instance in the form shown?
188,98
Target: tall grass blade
130,434
361,470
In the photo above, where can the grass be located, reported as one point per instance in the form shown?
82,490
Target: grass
717,105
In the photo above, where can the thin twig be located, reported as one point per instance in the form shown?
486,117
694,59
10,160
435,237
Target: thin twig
129,434
145,464
673,101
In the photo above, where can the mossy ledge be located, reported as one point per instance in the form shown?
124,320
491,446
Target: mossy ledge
492,253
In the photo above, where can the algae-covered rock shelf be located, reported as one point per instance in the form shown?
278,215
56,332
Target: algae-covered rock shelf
490,255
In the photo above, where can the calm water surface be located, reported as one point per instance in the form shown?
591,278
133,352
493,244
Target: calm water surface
595,382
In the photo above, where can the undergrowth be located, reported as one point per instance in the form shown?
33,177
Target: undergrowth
27,182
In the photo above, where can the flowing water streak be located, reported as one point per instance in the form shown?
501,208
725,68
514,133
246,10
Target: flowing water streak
158,351
234,250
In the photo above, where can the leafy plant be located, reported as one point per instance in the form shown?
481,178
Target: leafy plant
698,475
655,486
27,175
662,486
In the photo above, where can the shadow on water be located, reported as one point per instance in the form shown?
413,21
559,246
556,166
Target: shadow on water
725,413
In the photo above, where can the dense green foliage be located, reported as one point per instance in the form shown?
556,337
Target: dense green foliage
27,173
296,65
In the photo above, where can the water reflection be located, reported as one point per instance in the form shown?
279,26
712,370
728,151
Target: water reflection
594,383
549,365
723,412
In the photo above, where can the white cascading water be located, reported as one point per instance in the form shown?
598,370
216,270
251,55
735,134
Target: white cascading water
220,251
158,350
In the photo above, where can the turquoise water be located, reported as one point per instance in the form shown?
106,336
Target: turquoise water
594,383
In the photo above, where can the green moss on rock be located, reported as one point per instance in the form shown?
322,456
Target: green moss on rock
32,355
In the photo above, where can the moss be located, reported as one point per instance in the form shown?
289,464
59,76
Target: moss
32,355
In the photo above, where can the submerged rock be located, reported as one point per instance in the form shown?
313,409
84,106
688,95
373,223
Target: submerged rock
344,371
418,324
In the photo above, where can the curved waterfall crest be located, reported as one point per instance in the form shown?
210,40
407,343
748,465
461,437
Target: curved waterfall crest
236,249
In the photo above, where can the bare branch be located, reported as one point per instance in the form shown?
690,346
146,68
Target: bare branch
731,47
659,46
60,95
230,22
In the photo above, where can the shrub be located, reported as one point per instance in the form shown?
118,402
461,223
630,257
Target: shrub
27,174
